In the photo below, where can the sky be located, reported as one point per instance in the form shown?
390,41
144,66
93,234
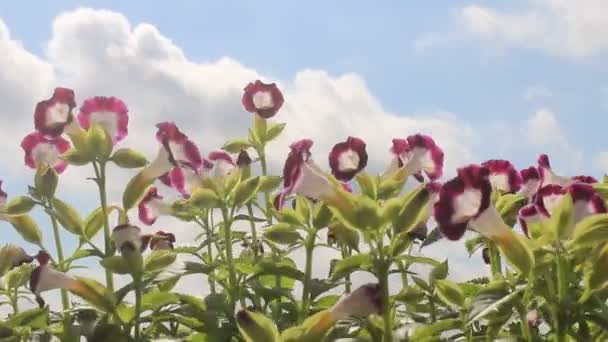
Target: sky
486,79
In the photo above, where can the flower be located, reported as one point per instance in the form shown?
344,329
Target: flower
129,237
530,181
586,201
162,240
152,206
42,150
503,176
527,215
45,278
548,198
362,302
463,200
348,158
303,177
547,176
223,165
54,115
263,99
109,112
417,153
585,179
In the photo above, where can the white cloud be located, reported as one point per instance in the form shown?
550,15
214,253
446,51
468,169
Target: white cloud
561,27
425,42
99,52
543,128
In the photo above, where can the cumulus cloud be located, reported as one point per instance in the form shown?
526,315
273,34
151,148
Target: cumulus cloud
573,29
98,52
537,92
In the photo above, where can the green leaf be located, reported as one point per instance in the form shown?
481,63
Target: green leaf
45,181
255,327
284,267
282,233
450,292
94,293
269,183
68,216
274,131
418,259
93,223
393,184
422,284
508,206
562,218
591,230
313,329
236,145
491,301
157,299
18,276
303,208
76,157
20,205
136,189
439,272
350,264
435,329
127,158
474,244
116,264
99,141
413,211
410,295
33,318
27,228
204,198
197,267
345,235
245,191
368,184
159,259
321,215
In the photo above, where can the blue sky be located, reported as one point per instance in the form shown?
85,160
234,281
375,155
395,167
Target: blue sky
481,81
482,61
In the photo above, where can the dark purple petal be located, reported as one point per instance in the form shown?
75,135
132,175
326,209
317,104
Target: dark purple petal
348,158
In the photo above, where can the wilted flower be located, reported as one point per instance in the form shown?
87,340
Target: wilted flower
485,255
41,150
417,153
243,159
54,115
348,158
12,256
152,206
263,99
503,176
303,177
530,181
127,236
162,240
109,112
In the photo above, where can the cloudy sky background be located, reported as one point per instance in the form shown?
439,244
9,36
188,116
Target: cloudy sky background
485,79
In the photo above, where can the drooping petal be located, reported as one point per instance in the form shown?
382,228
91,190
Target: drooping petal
530,181
362,302
586,201
162,240
547,176
527,215
348,158
462,199
503,176
263,99
109,112
152,206
243,159
548,198
41,150
52,115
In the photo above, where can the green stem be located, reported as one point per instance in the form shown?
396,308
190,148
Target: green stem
309,245
137,280
562,287
100,173
345,254
65,301
387,310
233,286
495,259
525,327
15,300
209,234
254,234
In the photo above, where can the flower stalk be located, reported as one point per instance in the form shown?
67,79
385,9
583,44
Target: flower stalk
100,174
